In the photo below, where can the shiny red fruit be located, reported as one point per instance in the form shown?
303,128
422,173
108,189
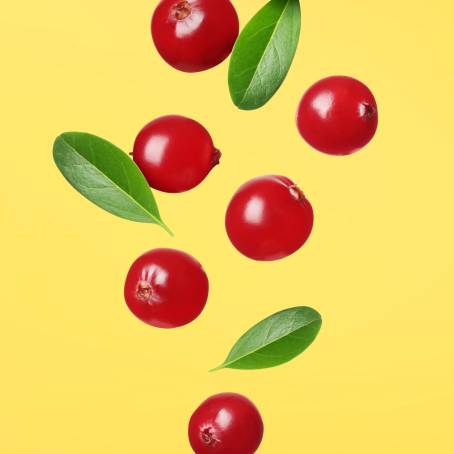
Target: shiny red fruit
166,288
226,423
174,153
194,35
269,218
337,115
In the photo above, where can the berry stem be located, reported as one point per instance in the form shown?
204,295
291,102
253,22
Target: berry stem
216,157
296,192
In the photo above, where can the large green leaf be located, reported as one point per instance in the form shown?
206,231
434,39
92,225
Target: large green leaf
106,176
275,340
263,53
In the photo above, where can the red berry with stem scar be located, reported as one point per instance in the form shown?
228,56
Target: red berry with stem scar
166,288
337,115
174,153
194,35
269,218
226,423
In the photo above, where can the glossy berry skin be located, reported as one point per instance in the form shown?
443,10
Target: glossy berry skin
194,35
269,218
175,153
337,115
226,423
166,288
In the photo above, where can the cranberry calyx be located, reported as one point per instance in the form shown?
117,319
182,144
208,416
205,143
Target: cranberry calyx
182,10
144,291
207,436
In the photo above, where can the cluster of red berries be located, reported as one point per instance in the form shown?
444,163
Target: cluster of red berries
268,218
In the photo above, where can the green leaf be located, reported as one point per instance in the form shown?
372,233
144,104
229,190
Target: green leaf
106,176
263,53
275,340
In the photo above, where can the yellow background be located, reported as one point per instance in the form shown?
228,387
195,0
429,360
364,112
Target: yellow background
81,375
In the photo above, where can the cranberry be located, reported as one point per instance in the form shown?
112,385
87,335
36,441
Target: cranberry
269,218
174,153
166,288
226,423
194,35
337,115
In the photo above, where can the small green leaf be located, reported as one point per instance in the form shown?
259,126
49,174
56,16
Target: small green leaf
275,340
263,53
106,176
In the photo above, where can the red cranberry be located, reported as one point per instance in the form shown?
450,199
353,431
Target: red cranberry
337,115
269,218
174,153
166,288
194,35
226,423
